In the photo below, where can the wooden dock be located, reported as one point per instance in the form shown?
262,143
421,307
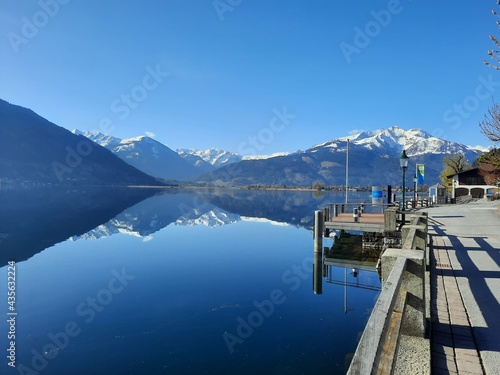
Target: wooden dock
365,223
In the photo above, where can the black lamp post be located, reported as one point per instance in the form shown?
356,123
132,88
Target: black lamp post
403,162
415,191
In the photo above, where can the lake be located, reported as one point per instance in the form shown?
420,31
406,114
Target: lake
182,281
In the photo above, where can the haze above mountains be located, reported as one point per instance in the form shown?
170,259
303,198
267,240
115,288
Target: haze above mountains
34,150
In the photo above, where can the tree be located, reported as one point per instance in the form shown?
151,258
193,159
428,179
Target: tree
491,157
489,166
494,53
423,188
490,126
452,165
318,185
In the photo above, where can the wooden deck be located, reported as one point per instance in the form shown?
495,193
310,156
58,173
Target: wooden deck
366,223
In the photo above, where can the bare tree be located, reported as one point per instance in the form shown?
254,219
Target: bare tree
494,53
457,163
490,126
452,165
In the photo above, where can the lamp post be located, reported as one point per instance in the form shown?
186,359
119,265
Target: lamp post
403,163
415,191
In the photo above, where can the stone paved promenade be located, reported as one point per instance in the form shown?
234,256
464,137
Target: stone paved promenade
465,288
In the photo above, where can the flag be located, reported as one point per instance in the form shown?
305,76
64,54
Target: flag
420,174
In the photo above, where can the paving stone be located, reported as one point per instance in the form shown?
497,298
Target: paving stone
444,364
469,367
445,340
461,331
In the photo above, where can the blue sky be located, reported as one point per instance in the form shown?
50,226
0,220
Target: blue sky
254,77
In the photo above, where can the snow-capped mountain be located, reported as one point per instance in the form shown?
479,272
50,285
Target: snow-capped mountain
213,218
212,156
373,160
260,157
147,155
153,214
102,139
393,140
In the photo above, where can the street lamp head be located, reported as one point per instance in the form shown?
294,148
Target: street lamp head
403,160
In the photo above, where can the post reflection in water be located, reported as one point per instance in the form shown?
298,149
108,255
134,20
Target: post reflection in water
345,264
318,273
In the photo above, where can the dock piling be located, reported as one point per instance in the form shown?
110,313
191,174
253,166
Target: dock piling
318,231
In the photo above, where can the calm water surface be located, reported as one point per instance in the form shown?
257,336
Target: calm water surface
184,282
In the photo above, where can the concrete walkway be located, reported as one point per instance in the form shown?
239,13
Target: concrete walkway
465,288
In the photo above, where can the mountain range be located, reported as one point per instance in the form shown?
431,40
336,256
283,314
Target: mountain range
32,149
147,155
35,151
373,160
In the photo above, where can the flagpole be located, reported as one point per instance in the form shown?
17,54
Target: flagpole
347,173
416,184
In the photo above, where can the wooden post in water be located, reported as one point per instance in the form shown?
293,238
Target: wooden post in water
318,273
318,231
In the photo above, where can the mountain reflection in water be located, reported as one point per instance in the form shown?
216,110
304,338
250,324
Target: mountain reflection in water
164,282
33,220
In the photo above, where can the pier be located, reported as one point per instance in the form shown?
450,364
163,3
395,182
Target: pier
438,309
365,217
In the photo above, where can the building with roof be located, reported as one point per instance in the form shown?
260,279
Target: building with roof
470,182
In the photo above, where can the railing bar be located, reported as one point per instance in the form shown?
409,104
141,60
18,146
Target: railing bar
391,341
370,345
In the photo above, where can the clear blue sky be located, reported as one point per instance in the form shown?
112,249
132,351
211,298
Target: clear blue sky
234,65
